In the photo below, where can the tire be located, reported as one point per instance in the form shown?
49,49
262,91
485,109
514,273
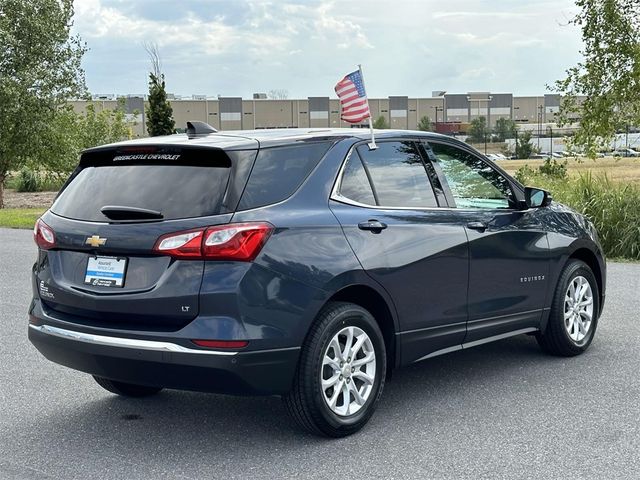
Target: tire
126,389
308,403
564,337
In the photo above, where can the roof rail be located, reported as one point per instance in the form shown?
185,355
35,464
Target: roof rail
195,128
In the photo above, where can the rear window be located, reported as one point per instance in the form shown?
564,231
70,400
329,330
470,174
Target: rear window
176,191
279,171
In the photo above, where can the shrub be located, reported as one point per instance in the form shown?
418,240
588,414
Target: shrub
28,180
380,123
554,169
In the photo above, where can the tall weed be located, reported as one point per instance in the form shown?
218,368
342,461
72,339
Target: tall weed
613,207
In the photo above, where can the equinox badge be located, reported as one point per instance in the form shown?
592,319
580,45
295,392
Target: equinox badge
95,241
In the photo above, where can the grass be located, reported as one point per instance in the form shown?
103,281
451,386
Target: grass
618,170
19,217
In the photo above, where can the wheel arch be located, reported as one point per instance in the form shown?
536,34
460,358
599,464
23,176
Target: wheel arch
373,301
589,257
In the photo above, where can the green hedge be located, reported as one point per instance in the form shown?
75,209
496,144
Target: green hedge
613,207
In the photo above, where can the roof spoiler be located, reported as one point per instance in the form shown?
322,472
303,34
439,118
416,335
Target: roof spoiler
195,128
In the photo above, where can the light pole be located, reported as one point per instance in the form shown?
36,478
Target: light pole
540,107
626,142
437,109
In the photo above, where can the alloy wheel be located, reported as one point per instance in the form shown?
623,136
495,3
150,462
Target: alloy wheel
578,308
348,371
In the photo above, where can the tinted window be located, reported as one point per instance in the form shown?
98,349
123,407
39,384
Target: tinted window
398,175
177,191
473,183
279,171
355,184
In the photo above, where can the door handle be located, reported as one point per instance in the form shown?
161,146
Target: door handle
480,226
372,225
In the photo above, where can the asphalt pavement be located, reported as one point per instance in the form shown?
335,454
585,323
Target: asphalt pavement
502,410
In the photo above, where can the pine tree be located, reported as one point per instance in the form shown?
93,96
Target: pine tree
159,114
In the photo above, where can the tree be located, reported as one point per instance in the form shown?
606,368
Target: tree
380,123
523,145
505,128
477,130
159,114
425,124
106,126
39,70
72,132
608,76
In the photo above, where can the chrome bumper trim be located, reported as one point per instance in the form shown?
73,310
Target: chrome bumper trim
124,342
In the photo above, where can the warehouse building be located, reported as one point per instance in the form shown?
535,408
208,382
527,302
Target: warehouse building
449,113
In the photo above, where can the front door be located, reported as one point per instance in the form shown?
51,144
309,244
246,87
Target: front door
508,248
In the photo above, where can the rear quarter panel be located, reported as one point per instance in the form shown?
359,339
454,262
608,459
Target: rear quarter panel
306,260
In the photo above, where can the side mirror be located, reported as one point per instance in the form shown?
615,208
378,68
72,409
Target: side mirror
536,197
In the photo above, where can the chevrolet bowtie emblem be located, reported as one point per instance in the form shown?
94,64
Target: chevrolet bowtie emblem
95,241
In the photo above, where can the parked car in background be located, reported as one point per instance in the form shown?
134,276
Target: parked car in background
302,263
626,152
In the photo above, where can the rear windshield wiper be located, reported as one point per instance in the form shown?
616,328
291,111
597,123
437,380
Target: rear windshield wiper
120,212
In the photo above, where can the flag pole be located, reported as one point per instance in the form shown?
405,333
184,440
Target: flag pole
372,145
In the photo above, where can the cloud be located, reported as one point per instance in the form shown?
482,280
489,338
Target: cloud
94,20
482,72
237,47
268,28
475,14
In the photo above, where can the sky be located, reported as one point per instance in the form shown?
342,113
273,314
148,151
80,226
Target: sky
238,47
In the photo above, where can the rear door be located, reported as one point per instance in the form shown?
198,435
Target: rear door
508,247
387,203
103,270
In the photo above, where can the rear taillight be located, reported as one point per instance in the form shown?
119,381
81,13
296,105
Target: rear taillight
181,244
43,235
236,241
240,241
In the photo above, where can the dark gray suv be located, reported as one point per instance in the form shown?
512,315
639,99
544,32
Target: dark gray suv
301,263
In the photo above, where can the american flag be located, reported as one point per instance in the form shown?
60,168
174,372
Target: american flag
353,98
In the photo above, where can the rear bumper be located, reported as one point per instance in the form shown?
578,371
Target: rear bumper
166,364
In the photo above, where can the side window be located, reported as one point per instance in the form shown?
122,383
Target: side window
279,171
473,183
355,184
398,175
